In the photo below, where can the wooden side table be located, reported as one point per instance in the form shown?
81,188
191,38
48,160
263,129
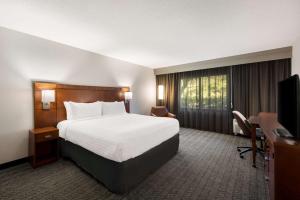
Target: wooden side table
43,146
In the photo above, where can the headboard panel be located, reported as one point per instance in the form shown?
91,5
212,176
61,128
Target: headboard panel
76,93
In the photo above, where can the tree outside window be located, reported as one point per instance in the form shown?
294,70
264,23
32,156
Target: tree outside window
205,92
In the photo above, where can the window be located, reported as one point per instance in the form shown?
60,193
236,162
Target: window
204,92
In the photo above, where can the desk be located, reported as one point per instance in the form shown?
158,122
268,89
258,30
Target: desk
282,160
254,121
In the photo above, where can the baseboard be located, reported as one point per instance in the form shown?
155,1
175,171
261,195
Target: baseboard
13,163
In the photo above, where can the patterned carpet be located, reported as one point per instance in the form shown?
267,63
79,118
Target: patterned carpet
206,167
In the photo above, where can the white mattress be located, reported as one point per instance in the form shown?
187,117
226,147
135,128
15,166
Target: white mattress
119,137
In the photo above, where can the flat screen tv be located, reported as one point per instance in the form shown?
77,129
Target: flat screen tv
289,105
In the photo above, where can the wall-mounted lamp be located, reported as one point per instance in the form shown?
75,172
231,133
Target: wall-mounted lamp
48,96
128,96
160,92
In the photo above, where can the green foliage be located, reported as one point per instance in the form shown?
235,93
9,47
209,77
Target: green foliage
205,92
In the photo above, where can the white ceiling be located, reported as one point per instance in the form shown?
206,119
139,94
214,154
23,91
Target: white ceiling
158,33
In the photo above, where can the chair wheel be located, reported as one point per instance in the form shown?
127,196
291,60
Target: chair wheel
241,156
238,150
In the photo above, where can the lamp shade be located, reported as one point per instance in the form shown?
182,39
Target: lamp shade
48,96
128,95
160,92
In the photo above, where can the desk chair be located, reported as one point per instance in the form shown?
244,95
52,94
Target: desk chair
246,128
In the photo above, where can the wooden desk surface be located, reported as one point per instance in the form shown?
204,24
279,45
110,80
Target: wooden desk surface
268,122
283,160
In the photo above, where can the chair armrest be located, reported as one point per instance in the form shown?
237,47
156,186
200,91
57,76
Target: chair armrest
248,124
153,115
171,115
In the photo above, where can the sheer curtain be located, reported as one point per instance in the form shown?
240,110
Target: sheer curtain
204,99
200,99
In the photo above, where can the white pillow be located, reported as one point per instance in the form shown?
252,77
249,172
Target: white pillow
83,110
113,108
68,110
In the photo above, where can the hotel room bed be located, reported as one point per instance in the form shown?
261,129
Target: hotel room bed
119,150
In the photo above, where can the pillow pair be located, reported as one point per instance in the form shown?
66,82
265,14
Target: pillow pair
91,110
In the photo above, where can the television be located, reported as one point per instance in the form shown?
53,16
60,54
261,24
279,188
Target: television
289,105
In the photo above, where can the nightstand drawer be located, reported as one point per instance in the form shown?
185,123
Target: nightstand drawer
46,136
43,146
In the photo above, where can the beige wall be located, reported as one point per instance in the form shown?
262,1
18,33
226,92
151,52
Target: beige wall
273,54
24,58
296,57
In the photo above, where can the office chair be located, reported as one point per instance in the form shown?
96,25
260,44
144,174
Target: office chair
246,128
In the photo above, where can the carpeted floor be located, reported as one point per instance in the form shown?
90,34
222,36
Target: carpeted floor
207,166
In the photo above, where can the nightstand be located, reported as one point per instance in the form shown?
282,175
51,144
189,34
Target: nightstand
43,146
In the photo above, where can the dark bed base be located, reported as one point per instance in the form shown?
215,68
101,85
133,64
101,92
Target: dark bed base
120,177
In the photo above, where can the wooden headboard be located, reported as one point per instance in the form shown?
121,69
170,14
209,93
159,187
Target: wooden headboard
76,93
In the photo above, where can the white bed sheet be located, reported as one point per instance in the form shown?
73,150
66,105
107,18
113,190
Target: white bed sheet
119,137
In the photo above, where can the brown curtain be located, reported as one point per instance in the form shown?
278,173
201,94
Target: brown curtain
254,85
170,83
